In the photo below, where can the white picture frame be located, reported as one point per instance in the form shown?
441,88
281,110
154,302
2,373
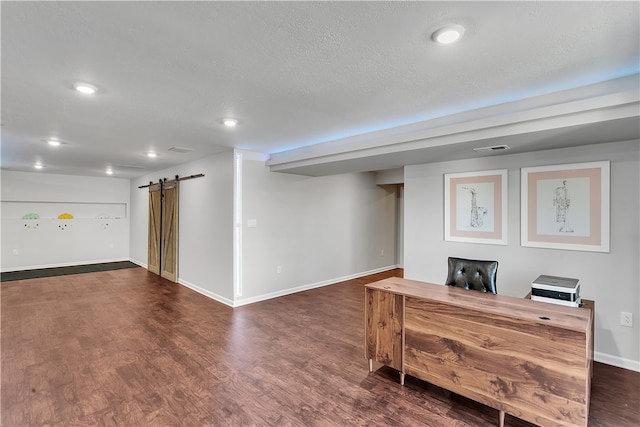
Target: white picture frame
566,206
475,207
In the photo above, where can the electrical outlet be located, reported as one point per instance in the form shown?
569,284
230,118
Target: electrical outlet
16,252
626,319
279,269
381,252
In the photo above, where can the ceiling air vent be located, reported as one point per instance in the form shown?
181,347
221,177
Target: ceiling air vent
492,148
181,149
129,167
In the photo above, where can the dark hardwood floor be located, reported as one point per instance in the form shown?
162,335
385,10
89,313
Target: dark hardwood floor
127,348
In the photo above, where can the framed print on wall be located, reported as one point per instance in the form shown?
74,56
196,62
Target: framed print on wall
566,207
475,207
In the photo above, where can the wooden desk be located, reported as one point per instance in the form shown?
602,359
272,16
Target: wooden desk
530,359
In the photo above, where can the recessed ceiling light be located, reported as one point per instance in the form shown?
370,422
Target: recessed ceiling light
109,171
229,122
54,142
448,34
85,88
38,165
152,154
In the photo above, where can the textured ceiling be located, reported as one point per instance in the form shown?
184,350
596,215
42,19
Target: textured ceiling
296,74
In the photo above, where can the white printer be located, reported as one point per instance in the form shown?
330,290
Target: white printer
556,290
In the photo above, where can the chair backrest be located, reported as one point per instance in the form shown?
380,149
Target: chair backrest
473,274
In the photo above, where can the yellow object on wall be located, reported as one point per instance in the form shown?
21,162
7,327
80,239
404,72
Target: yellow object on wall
65,216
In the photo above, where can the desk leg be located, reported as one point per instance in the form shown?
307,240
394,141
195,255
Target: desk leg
370,365
401,378
501,418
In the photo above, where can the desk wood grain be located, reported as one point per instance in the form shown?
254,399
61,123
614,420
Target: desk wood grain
530,359
384,326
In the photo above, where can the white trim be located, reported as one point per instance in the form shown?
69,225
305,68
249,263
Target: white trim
140,263
600,357
206,293
620,362
449,234
253,155
237,224
289,291
63,264
201,291
552,111
263,297
605,203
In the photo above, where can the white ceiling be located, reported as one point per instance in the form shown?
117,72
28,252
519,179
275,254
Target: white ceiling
320,87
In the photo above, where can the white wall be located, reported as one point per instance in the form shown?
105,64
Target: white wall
318,230
611,279
395,177
325,229
400,228
205,255
98,232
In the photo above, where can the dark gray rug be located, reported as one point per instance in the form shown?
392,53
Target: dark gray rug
62,271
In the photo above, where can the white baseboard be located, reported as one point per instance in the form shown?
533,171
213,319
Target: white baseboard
62,264
620,362
600,357
206,293
263,297
140,263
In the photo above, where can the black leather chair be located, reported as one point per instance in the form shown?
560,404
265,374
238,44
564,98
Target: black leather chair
473,274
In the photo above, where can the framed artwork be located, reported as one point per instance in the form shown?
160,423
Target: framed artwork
475,207
566,207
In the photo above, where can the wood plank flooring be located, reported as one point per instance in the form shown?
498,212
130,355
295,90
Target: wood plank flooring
126,348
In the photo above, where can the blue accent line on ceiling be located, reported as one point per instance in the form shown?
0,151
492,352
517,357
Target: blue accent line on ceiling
631,69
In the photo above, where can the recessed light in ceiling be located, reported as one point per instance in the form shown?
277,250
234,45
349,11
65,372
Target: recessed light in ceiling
229,122
85,88
38,165
448,34
109,171
54,142
151,154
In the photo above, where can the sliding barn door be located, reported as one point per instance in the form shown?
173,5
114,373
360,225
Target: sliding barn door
155,209
169,242
163,229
